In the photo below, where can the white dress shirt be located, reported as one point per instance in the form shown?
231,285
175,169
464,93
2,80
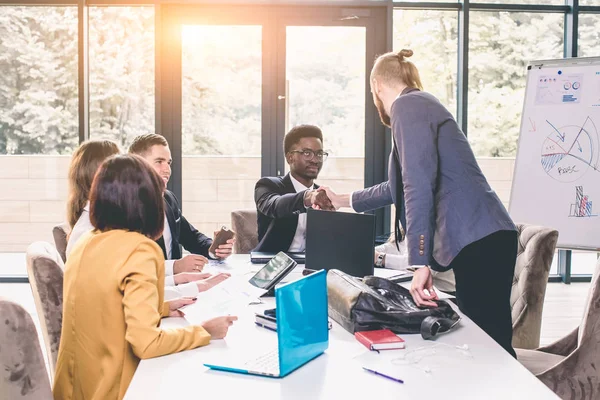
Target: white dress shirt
84,225
173,291
299,243
397,258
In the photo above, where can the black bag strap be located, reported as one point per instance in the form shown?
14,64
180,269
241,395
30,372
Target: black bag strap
431,326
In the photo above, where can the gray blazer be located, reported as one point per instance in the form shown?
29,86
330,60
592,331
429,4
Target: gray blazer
449,203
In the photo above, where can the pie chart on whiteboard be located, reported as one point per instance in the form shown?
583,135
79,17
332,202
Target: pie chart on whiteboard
569,151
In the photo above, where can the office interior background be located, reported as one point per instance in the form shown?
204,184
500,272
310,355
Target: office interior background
224,82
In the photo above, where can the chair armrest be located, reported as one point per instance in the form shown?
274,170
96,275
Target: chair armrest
563,346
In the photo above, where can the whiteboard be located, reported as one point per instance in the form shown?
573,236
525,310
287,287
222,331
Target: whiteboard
556,181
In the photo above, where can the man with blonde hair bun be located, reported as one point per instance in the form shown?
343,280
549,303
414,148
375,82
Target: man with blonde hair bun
452,217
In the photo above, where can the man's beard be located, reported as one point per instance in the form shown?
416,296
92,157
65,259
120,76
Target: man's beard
385,119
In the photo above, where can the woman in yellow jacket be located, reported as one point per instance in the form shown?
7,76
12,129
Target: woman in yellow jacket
114,288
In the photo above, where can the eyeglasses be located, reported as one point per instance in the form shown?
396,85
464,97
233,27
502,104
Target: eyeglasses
309,154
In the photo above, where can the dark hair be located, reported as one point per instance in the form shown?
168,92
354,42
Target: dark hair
299,132
142,144
84,165
128,194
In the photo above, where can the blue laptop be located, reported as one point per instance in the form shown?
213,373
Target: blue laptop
302,330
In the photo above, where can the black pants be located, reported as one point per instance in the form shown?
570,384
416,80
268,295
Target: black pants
484,273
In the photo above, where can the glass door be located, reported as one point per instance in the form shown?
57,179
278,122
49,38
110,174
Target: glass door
221,120
325,86
327,55
213,107
234,79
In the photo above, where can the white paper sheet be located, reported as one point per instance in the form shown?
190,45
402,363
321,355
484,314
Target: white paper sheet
227,298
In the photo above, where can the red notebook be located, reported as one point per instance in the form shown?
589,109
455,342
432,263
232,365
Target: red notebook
383,339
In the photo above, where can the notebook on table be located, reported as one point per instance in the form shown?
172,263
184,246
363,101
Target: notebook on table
382,339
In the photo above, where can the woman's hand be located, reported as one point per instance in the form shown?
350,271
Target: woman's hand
206,284
185,277
422,290
175,305
218,327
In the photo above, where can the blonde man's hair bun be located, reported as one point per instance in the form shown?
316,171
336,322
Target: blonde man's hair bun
405,53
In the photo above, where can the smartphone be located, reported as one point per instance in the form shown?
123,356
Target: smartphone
221,237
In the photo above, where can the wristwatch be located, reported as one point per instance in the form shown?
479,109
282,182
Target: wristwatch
379,261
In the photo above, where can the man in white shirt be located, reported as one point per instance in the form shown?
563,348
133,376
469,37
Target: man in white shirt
281,202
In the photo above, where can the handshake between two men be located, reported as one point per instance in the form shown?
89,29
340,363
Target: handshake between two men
324,198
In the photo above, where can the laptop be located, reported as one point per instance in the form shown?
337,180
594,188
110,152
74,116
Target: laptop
261,257
340,240
302,330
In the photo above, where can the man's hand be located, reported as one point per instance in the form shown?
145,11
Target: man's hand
185,277
214,280
318,199
422,290
189,263
337,200
224,250
175,305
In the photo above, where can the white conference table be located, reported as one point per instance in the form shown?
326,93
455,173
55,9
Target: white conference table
435,369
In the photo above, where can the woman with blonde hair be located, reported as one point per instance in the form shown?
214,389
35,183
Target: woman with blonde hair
109,325
452,217
84,164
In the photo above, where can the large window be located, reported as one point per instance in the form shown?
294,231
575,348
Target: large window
121,48
221,121
589,35
500,46
432,35
38,80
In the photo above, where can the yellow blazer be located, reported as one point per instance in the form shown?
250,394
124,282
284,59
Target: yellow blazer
113,303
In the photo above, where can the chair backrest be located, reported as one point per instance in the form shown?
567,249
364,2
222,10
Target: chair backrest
23,374
534,256
576,377
45,271
61,233
243,223
589,330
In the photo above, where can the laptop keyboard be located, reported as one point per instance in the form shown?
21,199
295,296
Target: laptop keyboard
267,362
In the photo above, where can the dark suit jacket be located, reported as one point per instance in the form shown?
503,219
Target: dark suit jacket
182,232
278,206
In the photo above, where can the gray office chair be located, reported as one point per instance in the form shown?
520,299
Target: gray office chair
243,223
571,365
45,271
61,234
534,258
23,375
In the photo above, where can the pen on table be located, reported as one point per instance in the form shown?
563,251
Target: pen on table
385,376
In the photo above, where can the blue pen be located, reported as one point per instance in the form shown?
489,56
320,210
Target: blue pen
385,376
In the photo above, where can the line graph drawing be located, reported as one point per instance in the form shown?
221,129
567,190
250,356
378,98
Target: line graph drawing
582,208
570,151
